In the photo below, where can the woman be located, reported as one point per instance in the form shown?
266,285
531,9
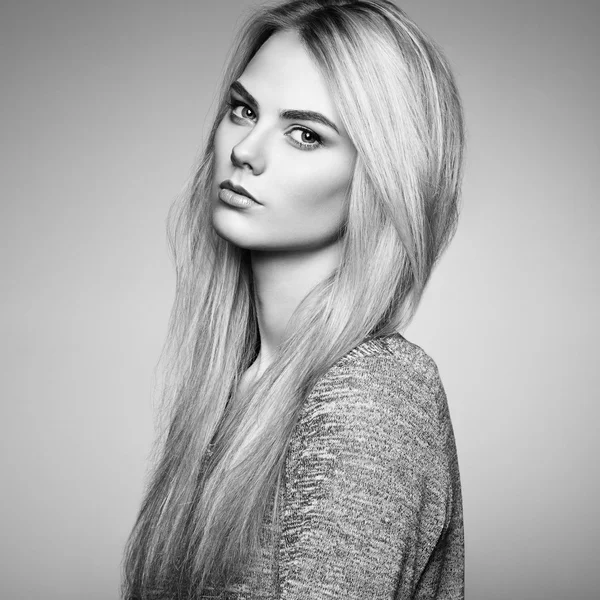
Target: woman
309,451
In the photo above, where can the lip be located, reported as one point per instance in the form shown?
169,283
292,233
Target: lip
238,189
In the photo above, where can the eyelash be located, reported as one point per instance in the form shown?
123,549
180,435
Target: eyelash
232,104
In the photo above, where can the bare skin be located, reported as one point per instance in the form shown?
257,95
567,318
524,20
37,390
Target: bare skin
298,169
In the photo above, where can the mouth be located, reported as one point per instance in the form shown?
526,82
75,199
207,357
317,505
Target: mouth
238,189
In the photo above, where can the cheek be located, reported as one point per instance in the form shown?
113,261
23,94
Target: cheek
322,188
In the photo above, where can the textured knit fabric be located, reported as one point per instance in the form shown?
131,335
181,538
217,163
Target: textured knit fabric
370,508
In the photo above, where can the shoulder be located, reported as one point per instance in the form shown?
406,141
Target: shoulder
391,359
394,347
376,416
388,375
368,484
385,394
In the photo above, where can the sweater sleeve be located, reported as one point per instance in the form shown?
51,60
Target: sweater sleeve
372,506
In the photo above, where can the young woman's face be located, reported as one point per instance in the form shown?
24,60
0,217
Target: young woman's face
296,166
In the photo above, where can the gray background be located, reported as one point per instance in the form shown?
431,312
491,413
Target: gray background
103,110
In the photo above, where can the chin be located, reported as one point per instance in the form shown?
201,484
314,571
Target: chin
229,227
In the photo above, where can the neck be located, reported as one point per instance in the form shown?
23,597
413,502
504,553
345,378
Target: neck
281,281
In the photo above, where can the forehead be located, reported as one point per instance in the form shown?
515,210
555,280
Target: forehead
282,75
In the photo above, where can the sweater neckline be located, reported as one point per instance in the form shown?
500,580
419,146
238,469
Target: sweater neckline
372,346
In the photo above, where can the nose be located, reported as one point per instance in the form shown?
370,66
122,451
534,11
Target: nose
248,153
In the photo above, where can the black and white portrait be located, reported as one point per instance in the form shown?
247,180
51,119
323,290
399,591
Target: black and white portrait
300,300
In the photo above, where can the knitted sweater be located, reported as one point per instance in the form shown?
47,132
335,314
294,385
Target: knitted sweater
370,508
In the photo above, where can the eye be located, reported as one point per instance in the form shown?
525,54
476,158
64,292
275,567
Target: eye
307,139
239,111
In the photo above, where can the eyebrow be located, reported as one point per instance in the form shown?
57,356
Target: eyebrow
288,114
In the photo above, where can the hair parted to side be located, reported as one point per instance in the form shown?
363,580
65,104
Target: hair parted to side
201,517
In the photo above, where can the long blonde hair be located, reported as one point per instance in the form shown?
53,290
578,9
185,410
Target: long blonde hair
200,521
